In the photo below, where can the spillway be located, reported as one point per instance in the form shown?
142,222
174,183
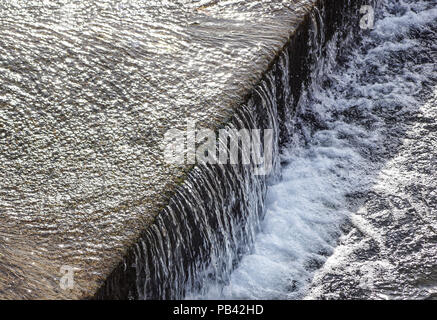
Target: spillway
89,91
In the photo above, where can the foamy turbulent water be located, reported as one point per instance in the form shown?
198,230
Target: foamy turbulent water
341,139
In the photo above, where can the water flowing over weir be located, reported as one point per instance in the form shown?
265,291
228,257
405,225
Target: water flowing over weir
88,91
348,170
213,218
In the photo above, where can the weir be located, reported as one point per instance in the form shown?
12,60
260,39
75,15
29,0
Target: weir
84,107
212,220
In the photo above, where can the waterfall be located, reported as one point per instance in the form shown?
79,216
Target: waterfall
347,144
213,218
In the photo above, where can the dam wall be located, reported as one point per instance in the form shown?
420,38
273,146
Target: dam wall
214,214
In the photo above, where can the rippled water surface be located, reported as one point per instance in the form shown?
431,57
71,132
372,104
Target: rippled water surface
87,90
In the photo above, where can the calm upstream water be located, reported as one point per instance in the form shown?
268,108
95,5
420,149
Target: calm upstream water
350,122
